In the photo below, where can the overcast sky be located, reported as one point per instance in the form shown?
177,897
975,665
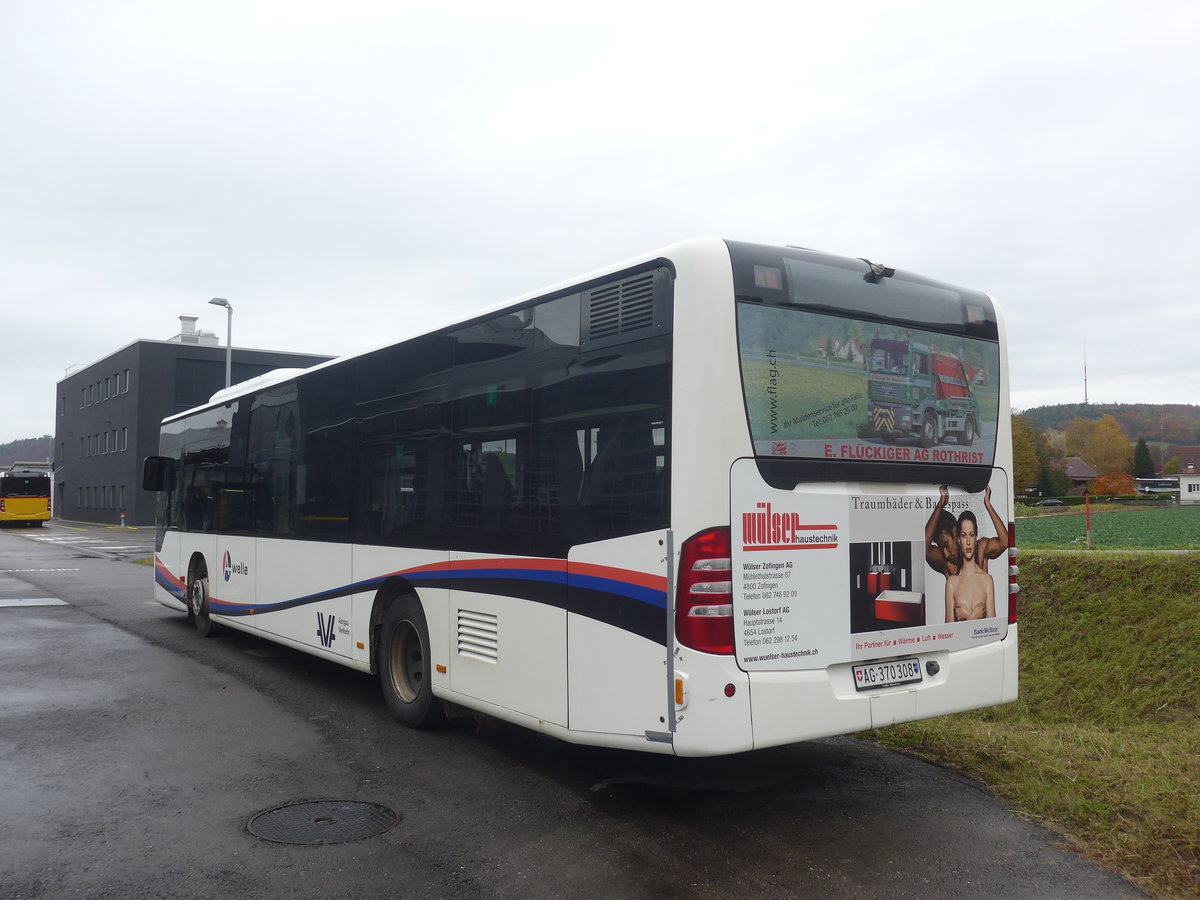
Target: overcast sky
344,172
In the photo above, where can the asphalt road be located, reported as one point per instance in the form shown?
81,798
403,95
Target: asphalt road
133,754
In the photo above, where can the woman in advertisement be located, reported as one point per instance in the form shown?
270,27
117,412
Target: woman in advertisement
954,548
971,593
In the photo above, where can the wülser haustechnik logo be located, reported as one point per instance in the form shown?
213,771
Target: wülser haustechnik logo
766,529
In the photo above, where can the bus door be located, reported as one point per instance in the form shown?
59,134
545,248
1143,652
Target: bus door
617,597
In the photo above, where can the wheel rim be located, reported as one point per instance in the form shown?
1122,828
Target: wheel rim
196,596
928,429
408,662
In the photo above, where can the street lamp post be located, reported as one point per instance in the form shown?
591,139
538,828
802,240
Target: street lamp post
221,301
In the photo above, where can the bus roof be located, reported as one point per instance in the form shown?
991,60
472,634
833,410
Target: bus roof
244,388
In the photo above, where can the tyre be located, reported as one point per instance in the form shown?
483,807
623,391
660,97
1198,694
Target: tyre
928,431
404,665
198,603
967,436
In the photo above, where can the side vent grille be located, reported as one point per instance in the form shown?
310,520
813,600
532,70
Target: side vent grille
478,636
627,310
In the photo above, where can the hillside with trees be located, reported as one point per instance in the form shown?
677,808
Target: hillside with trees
26,450
1164,436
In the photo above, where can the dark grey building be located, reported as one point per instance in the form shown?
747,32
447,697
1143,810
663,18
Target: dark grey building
108,417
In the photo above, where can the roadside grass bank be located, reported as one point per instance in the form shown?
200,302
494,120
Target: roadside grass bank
1113,528
1104,743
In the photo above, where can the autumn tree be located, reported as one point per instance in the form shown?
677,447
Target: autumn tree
1077,434
1143,463
1046,467
1108,448
1101,443
1026,466
1172,466
1113,484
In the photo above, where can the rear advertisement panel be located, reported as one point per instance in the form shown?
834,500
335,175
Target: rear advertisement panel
822,576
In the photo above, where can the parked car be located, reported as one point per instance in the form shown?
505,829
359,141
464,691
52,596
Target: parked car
1049,501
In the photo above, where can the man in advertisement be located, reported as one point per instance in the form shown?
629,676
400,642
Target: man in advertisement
943,537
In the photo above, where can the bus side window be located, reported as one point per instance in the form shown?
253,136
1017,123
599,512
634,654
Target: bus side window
272,455
622,488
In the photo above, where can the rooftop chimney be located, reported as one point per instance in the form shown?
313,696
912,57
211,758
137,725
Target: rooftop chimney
187,330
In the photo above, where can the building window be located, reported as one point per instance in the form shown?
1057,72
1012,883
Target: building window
124,437
1194,487
83,399
126,391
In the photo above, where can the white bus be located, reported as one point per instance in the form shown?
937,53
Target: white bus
644,508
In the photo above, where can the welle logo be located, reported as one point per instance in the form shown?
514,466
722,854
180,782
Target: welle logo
229,568
766,529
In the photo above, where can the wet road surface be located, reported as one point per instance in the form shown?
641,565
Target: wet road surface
133,754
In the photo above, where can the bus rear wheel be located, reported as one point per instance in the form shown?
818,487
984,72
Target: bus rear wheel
404,665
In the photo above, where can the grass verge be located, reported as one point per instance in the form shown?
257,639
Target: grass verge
1104,743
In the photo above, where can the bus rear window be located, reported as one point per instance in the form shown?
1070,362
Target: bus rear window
20,486
829,387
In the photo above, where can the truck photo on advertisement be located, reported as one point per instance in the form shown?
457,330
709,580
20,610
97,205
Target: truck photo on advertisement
917,390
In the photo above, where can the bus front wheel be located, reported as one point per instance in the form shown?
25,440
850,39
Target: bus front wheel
198,603
404,665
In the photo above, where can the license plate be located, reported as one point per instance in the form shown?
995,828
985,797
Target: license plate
869,676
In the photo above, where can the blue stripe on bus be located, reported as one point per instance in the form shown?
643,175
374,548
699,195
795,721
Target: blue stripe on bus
457,576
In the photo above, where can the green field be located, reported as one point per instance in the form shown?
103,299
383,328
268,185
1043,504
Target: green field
1168,528
1103,744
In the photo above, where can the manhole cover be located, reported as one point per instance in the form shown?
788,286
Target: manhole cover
322,822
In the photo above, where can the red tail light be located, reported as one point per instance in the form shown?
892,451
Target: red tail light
704,593
1013,571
